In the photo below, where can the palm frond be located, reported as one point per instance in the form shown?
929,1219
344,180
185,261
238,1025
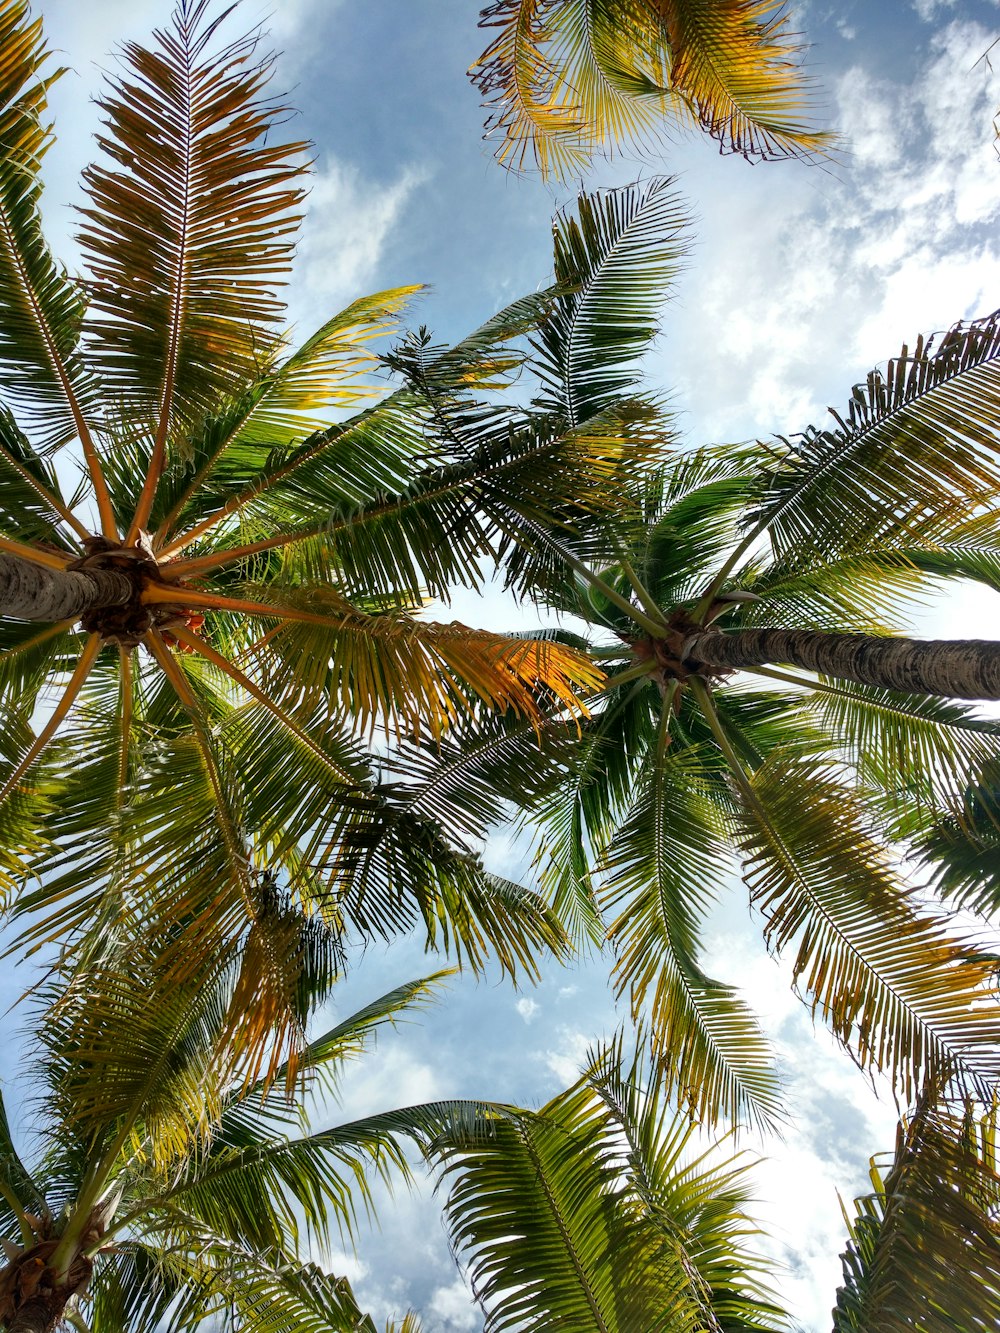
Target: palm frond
961,849
265,1191
330,371
565,78
616,261
189,227
924,1246
664,866
584,1216
41,372
898,989
915,454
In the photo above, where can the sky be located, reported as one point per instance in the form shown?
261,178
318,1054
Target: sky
800,279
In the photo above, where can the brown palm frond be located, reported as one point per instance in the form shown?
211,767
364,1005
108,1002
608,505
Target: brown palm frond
189,231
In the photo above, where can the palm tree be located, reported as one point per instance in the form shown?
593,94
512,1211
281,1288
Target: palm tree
194,649
805,551
565,78
168,1188
604,1212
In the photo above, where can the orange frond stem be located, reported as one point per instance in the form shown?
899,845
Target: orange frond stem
179,569
72,690
235,674
36,554
157,595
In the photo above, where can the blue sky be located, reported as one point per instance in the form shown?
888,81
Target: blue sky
800,279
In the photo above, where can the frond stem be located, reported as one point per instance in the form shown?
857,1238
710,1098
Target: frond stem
639,588
234,673
28,1237
73,688
703,698
156,595
179,569
35,554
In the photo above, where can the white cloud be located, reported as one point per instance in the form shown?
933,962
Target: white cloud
567,1059
928,10
527,1008
454,1307
389,1076
348,222
799,300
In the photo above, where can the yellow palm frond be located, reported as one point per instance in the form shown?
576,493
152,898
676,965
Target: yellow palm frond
565,78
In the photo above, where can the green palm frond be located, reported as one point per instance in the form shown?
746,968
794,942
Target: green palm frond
41,372
19,1192
563,79
908,458
918,752
586,1215
898,989
189,228
663,868
961,849
577,815
270,1190
330,371
237,1291
31,506
616,259
924,1247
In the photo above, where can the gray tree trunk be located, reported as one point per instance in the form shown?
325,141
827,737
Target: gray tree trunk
34,592
954,669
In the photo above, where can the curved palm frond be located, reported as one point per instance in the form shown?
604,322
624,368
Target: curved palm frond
903,994
924,1246
41,370
908,459
563,79
586,1215
616,259
663,867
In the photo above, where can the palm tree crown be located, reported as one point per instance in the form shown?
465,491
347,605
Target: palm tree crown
804,551
195,650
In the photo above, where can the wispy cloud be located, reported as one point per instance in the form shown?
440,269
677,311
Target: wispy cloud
810,277
349,221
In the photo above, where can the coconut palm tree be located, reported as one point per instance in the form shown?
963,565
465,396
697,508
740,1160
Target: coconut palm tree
160,1186
791,562
565,78
196,646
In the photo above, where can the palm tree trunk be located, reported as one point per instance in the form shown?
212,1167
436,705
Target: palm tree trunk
34,592
953,669
41,1313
